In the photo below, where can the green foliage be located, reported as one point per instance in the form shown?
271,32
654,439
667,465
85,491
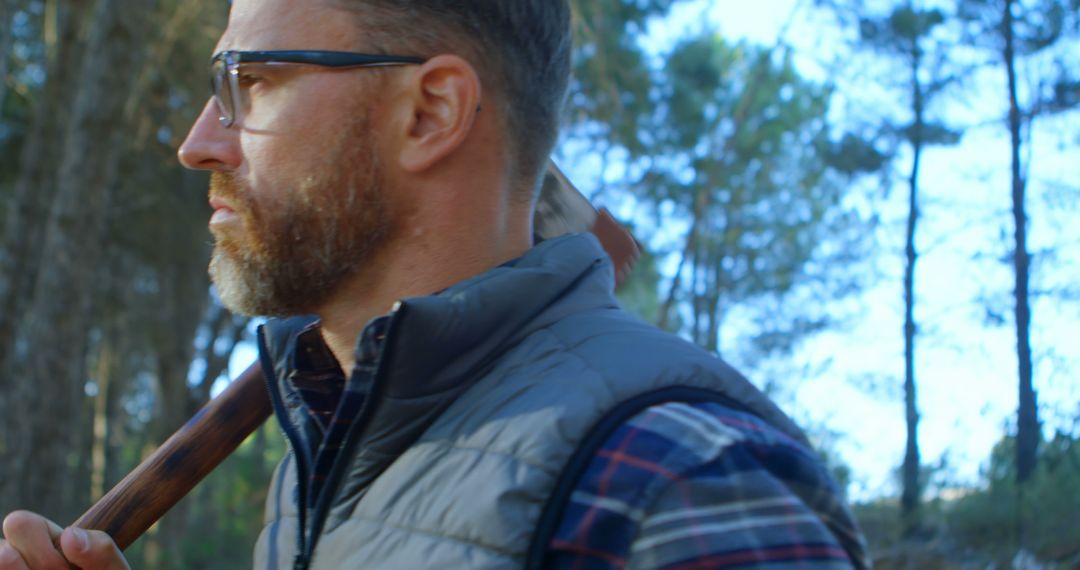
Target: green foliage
216,526
1043,511
855,155
231,503
880,523
1066,92
18,91
824,442
931,133
638,293
612,80
1037,24
781,335
990,524
743,148
902,28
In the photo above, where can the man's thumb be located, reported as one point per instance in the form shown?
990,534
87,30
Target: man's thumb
91,550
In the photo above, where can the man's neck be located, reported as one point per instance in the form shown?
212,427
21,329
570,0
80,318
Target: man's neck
451,223
428,271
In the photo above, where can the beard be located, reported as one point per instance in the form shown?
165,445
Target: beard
291,256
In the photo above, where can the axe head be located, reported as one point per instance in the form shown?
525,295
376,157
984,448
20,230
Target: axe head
563,209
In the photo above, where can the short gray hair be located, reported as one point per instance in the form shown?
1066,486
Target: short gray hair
521,49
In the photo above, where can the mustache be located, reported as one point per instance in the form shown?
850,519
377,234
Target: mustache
229,189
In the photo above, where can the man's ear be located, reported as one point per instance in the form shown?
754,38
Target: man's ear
443,96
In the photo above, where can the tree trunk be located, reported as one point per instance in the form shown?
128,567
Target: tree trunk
27,211
109,371
663,318
116,426
912,492
7,15
1027,425
697,294
56,320
21,250
703,200
716,269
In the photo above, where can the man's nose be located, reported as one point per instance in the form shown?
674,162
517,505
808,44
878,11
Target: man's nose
209,145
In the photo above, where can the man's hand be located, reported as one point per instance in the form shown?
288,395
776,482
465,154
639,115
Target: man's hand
33,542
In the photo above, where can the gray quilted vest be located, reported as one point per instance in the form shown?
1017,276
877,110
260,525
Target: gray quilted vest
483,393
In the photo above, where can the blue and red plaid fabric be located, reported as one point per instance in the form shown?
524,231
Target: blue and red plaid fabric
695,486
678,487
332,404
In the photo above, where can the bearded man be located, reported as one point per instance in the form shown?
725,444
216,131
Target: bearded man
454,395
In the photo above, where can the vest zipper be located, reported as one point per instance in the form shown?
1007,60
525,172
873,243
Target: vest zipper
344,458
289,430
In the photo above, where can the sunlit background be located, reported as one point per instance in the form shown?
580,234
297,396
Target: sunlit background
791,120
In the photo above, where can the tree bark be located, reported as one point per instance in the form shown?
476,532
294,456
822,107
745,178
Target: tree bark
7,33
111,376
1027,425
56,321
912,491
663,318
703,200
21,251
99,447
716,269
698,265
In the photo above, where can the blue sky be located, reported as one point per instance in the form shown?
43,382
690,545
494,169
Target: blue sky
966,369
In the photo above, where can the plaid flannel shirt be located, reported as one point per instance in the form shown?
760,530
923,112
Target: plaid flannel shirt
331,403
683,486
679,486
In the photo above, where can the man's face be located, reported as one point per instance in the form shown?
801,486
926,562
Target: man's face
296,183
286,256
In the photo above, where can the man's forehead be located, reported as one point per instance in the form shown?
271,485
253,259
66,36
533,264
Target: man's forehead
288,24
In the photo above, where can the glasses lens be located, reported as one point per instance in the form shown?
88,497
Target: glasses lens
222,89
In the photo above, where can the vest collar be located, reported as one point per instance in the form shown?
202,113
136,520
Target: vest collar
447,335
438,346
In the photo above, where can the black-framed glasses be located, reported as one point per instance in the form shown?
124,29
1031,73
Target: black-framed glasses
225,70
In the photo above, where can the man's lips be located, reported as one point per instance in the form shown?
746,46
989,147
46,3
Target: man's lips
223,213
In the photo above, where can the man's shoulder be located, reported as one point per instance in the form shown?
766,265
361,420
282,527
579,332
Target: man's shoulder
625,351
679,480
679,440
614,339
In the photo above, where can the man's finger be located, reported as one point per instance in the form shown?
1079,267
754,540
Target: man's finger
34,537
10,559
91,550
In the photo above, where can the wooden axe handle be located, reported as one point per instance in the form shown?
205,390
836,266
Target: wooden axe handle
175,468
189,455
